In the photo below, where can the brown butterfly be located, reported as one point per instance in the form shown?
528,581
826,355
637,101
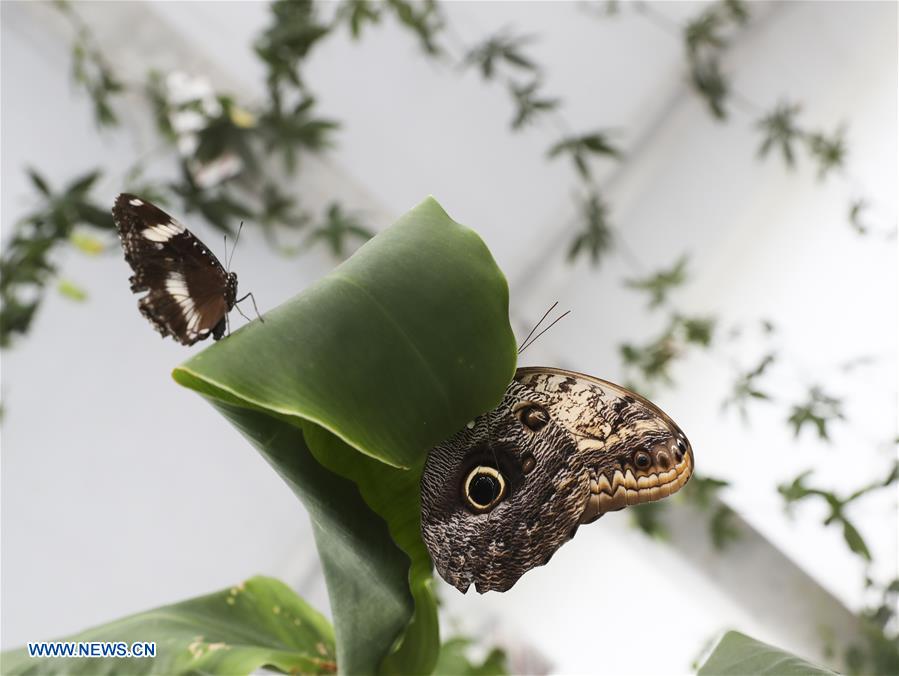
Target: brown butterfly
562,449
190,293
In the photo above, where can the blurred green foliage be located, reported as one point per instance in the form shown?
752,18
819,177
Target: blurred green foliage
580,148
596,236
799,490
454,660
27,263
817,411
746,387
659,284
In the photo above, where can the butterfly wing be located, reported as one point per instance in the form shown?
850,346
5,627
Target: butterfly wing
638,452
189,291
566,448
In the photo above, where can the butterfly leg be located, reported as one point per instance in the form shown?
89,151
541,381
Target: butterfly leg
256,309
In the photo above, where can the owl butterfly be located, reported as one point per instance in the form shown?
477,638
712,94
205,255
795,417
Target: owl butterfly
562,449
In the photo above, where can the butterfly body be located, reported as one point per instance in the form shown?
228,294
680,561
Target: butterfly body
189,292
503,494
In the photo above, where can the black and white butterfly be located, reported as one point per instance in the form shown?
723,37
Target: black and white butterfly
190,293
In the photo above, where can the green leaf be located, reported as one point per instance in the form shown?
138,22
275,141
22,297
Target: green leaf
39,182
87,244
366,574
500,48
596,237
528,104
357,13
391,353
81,185
722,527
818,410
393,494
705,31
659,284
648,518
746,387
454,660
260,622
856,220
338,227
579,148
71,290
423,18
828,151
739,655
780,130
701,490
698,330
855,540
711,84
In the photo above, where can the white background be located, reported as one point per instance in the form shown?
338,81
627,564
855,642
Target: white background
122,491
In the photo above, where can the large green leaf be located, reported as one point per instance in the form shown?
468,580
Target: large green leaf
737,655
260,622
388,355
390,351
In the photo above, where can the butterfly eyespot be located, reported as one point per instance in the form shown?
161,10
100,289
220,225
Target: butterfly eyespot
531,415
484,487
642,460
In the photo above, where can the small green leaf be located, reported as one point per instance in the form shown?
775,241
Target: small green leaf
454,660
423,18
818,410
498,49
711,84
855,541
723,528
86,243
596,237
701,490
780,130
648,518
661,283
71,290
338,229
580,148
746,387
856,220
698,330
257,623
705,31
39,182
357,13
81,185
528,104
739,655
828,151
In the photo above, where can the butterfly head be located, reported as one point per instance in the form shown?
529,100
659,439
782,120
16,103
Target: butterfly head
503,494
231,290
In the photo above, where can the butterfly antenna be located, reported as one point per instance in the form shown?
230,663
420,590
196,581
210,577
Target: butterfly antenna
545,314
526,344
233,248
255,309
